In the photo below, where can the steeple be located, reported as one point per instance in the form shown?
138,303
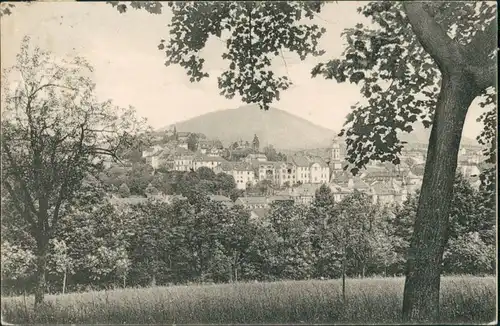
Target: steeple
335,158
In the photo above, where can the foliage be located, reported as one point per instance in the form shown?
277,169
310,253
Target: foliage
138,177
398,77
54,135
255,143
198,240
469,254
59,258
17,263
469,218
273,155
192,141
124,190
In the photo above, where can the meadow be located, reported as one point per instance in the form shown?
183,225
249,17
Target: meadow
464,299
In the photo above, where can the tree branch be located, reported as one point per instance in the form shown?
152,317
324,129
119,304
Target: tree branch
433,37
17,204
479,52
485,76
484,42
19,179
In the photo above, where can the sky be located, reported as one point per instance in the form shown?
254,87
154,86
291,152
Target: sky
130,70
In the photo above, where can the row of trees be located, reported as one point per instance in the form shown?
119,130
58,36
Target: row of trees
197,240
141,180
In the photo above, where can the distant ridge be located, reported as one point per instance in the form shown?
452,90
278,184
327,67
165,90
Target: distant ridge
277,127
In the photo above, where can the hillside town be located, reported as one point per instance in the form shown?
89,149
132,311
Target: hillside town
294,177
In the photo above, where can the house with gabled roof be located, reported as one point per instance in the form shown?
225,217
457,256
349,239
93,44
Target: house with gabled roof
222,199
259,213
310,169
387,193
252,202
183,135
243,174
211,162
183,162
255,156
339,192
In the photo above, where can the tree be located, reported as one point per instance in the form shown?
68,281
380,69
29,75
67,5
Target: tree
54,133
17,263
225,183
256,143
124,191
270,153
464,69
60,260
320,214
139,177
151,190
192,141
206,173
293,256
350,226
469,218
398,64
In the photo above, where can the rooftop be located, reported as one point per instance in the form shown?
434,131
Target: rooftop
251,200
260,212
220,198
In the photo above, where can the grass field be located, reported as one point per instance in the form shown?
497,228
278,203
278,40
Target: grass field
376,300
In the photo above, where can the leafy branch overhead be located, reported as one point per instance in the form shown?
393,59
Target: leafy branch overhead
254,33
399,79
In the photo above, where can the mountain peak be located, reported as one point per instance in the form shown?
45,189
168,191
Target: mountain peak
274,127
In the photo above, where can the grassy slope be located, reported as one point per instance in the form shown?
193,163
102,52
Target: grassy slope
464,299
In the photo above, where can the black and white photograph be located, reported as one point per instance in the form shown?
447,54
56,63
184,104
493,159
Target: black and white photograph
249,162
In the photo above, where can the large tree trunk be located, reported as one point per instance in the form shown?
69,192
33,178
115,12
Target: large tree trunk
41,264
421,292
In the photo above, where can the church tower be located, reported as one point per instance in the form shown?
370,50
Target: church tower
335,156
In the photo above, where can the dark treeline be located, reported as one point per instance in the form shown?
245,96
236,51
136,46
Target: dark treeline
103,245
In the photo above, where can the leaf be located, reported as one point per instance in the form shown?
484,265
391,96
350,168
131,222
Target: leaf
121,8
357,77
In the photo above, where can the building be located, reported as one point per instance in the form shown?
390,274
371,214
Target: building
255,202
255,157
259,213
339,192
304,194
210,147
387,193
269,171
302,170
183,162
182,136
310,169
182,144
468,169
413,182
151,151
243,175
252,202
337,155
223,200
211,162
